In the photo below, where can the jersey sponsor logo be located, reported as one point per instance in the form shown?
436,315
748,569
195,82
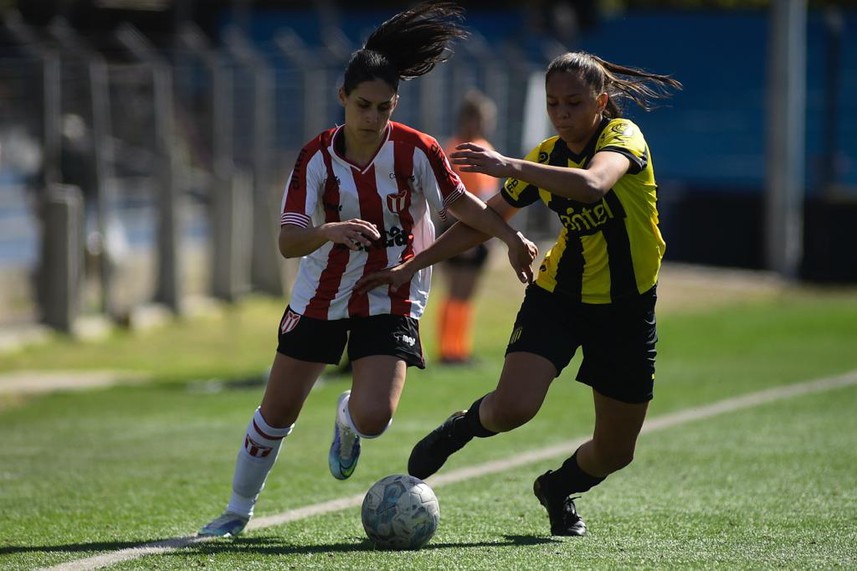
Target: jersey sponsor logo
408,179
395,236
289,322
543,157
587,219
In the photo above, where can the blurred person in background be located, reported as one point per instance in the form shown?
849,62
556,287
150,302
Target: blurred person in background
596,287
358,201
477,117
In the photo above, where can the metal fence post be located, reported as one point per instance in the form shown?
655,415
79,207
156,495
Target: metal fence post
63,256
101,149
169,284
265,272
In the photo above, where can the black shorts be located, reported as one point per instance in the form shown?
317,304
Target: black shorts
322,341
475,258
618,340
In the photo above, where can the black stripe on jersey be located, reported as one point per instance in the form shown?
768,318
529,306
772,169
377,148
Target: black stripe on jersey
623,281
560,154
569,269
637,163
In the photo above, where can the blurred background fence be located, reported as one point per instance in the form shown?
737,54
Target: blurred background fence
144,144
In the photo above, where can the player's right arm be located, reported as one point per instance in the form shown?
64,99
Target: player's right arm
299,236
459,238
295,241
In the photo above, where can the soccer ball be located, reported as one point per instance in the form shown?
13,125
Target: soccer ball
400,512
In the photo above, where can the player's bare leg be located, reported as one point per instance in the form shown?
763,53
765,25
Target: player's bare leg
366,410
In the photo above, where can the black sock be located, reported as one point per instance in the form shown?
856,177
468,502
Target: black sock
571,479
468,426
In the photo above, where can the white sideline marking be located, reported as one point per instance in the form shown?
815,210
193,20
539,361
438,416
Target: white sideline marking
657,423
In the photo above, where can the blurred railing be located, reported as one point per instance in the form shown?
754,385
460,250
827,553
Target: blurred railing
180,153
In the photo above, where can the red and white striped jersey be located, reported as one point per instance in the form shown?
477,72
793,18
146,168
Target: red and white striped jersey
409,173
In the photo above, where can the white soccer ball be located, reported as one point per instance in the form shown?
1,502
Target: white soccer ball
400,512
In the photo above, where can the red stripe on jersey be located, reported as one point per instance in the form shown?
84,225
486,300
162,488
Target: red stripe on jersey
297,190
372,210
403,159
337,258
447,180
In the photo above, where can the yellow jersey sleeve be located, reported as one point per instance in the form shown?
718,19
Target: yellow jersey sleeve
623,137
519,193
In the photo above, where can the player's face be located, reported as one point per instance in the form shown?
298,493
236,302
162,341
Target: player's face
573,108
368,109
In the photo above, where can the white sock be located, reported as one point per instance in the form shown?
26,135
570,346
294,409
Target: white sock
344,417
255,460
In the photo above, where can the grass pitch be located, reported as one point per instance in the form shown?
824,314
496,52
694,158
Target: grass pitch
86,474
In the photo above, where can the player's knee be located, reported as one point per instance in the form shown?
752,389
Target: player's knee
373,422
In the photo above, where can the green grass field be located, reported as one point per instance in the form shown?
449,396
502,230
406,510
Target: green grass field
767,486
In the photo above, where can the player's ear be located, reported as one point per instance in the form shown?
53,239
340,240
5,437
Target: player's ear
601,101
342,96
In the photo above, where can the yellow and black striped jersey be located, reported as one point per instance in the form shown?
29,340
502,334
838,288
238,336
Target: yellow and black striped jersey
608,250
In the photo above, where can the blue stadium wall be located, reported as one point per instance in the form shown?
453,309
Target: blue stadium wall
708,142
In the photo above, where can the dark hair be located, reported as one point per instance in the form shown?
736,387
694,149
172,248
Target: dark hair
407,45
619,82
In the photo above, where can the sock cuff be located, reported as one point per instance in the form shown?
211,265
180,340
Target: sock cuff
474,424
583,480
265,430
345,418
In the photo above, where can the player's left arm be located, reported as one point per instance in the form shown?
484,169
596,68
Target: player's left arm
585,185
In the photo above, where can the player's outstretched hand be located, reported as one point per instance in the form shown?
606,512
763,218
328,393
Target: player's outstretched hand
522,253
471,157
395,277
354,233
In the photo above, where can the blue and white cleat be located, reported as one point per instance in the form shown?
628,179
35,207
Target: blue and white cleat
228,524
345,448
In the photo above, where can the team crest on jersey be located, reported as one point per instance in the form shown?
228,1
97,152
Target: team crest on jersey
624,129
397,202
289,322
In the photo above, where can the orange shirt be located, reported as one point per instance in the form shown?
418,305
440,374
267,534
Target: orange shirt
482,185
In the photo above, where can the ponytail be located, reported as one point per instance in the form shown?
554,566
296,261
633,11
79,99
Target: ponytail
621,83
407,45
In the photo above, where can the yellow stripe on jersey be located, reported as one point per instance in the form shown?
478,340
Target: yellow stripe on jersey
610,249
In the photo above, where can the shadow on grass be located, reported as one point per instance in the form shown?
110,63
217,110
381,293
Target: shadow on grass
95,547
273,545
266,545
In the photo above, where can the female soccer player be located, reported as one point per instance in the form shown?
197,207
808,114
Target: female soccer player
357,201
476,118
596,286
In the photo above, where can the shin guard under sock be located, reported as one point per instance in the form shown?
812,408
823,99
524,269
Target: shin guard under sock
255,460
